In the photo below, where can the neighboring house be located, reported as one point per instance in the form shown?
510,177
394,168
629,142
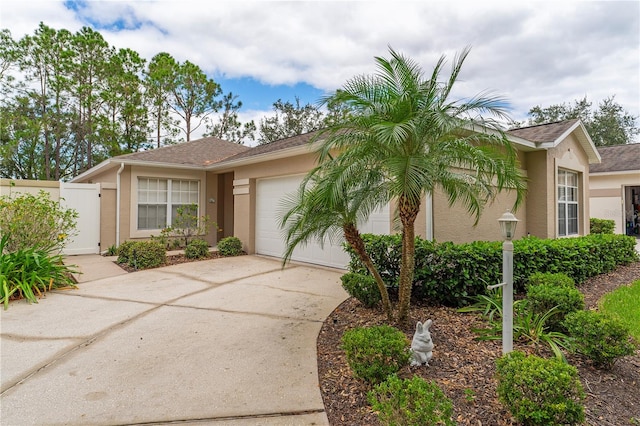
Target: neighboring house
241,188
615,187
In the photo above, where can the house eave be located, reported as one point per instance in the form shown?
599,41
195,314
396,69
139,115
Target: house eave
616,173
307,148
115,162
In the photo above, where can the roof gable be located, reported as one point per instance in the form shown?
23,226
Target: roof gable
551,135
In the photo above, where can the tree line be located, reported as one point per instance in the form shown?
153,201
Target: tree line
608,124
70,100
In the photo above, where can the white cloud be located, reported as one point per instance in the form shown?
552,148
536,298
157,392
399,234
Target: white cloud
533,52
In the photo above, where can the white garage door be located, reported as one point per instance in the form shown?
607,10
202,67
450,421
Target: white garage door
270,238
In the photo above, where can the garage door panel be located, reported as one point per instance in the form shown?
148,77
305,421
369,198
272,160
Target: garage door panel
270,240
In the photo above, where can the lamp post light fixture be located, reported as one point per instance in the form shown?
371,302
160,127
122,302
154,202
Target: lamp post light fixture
508,223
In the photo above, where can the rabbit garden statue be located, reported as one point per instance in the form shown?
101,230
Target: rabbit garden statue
421,345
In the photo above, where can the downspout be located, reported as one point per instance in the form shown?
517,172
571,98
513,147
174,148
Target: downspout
118,204
429,211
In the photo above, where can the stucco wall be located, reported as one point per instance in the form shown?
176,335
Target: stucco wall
25,186
212,206
569,155
542,168
457,225
540,194
107,215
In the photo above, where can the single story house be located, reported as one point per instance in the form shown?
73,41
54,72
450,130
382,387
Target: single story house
614,187
240,189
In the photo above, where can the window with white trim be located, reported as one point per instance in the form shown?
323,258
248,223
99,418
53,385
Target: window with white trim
159,200
567,203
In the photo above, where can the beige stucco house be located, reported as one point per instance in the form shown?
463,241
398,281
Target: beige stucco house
615,188
240,189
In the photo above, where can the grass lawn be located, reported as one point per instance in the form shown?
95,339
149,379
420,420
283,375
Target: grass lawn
624,303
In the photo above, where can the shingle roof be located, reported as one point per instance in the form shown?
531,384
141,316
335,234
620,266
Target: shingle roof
543,132
618,158
281,144
201,152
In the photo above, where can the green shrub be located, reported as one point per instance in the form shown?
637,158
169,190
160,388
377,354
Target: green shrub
30,273
374,353
601,226
362,287
579,257
450,274
142,254
544,297
230,246
410,402
597,336
556,279
35,221
540,391
124,252
196,249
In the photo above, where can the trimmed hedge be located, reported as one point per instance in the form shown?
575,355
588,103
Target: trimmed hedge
449,274
142,254
230,246
540,391
375,353
601,226
362,287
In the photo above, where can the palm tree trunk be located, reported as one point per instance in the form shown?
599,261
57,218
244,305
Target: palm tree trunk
352,235
408,211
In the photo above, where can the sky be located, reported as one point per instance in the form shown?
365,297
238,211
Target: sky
532,53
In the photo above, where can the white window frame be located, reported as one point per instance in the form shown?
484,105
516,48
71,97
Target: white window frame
568,196
169,203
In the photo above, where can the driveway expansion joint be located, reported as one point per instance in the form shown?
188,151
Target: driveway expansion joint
225,418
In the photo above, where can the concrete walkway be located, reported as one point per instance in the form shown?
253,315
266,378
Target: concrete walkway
223,342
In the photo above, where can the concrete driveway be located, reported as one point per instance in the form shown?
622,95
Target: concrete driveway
226,341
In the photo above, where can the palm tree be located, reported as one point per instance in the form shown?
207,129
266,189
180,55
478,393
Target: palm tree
404,127
330,202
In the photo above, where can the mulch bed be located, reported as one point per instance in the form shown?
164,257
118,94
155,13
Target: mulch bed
175,260
464,368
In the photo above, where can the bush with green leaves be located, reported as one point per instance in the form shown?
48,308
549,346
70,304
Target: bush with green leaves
558,279
30,272
362,287
142,254
540,391
230,246
196,249
124,251
599,337
541,298
374,353
601,226
35,221
449,274
410,402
